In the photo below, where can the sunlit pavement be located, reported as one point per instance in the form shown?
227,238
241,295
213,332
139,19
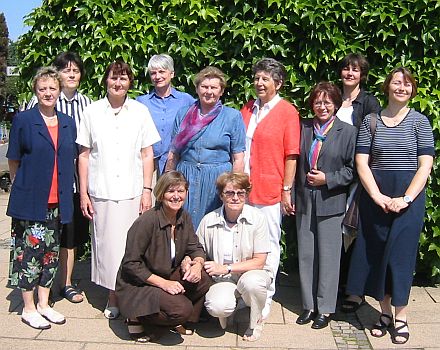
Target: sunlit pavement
87,329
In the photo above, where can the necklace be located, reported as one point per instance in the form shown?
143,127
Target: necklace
349,98
50,118
397,117
116,111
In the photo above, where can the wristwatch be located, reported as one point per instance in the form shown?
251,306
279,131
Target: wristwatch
287,188
229,267
407,199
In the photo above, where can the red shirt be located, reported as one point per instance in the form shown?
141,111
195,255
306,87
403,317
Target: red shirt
276,137
53,194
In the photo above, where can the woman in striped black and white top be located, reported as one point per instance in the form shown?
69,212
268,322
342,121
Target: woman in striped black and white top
392,205
76,233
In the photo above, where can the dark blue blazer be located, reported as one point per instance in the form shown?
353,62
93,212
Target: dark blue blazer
31,144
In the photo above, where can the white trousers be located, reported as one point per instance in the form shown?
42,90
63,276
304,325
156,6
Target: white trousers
252,286
273,216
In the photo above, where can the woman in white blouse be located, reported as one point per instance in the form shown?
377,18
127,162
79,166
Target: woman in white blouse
115,168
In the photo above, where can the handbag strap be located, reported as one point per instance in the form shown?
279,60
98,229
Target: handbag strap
373,124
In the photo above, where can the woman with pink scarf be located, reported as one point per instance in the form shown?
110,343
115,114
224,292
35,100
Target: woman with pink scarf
208,139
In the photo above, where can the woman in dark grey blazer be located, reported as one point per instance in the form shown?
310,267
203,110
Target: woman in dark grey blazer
324,173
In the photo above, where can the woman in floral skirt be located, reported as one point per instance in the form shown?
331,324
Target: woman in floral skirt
41,157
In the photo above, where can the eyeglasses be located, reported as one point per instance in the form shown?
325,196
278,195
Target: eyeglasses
326,103
231,194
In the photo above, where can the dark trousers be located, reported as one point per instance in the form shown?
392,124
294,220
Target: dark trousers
181,308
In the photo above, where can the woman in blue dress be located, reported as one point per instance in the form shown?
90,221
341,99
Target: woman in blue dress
208,139
393,204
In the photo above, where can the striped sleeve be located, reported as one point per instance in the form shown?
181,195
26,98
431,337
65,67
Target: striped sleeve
363,142
425,138
33,101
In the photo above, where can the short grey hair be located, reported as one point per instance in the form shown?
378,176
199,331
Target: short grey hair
275,68
163,61
46,73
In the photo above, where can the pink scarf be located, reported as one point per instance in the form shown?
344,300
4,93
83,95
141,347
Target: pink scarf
320,132
192,123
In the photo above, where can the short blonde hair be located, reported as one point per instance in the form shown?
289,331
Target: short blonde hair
210,72
46,73
240,180
168,179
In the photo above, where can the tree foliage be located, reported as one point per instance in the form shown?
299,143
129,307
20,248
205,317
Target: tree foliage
308,36
4,40
13,58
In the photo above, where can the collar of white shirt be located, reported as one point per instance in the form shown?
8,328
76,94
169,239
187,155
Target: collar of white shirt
64,97
219,219
125,106
271,104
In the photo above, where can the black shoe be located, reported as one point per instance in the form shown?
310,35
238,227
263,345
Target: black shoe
306,317
321,321
349,306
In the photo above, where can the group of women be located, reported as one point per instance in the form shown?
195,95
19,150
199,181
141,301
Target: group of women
391,151
156,268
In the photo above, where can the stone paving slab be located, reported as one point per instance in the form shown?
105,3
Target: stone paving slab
421,337
16,343
88,330
10,299
292,337
12,327
234,348
100,346
418,295
434,293
423,319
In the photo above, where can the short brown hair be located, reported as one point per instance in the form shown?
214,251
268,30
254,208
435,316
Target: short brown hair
118,67
330,91
45,73
210,72
168,179
355,59
241,180
64,58
406,74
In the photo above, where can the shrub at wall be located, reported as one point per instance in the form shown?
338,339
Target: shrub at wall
308,36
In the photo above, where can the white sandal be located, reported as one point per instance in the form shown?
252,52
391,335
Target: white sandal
51,315
35,320
253,334
111,312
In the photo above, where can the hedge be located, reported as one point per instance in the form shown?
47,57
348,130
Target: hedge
308,36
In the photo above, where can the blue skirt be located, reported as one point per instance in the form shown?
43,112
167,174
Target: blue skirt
202,194
385,250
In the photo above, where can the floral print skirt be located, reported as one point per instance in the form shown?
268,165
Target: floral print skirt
34,251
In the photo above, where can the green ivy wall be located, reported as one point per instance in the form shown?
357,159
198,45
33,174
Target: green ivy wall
308,36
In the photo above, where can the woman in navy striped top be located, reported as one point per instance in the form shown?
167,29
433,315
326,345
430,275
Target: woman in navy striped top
392,205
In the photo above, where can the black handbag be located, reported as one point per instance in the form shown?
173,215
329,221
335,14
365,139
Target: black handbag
351,218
